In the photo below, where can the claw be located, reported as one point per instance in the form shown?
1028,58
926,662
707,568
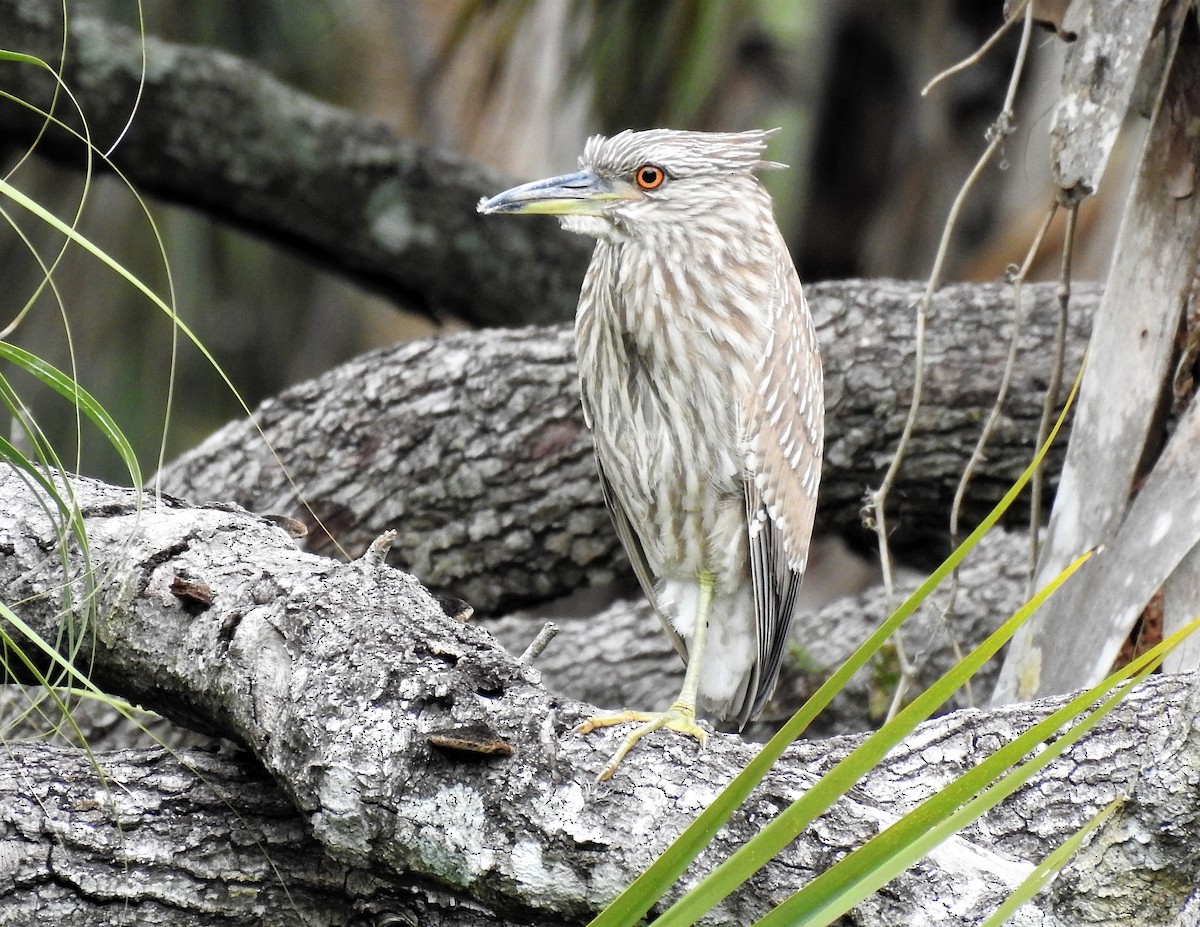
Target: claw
679,718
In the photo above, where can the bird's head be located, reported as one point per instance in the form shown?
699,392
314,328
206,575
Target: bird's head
635,181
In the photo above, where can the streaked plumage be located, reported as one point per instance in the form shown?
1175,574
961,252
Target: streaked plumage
701,382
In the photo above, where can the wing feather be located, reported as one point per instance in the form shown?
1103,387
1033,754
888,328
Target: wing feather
784,427
637,557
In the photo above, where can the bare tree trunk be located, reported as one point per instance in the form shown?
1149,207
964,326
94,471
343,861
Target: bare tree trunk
341,679
142,837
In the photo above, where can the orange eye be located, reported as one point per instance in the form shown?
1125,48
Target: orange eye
649,176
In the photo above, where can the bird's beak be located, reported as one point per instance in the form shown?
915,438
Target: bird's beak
584,193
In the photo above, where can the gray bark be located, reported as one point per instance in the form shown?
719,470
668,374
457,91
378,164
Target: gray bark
191,840
217,133
1114,65
335,676
1128,387
473,449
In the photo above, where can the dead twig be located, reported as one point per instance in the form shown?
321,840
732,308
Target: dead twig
1050,403
878,500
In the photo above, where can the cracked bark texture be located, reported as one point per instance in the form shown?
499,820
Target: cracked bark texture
219,134
193,840
472,447
335,676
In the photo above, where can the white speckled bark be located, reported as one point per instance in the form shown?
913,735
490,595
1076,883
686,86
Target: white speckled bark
335,675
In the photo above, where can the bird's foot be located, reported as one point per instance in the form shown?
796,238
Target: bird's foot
680,718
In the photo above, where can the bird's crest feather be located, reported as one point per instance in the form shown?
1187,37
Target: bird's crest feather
681,153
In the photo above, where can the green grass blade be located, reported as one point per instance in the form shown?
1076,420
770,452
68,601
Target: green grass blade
8,190
970,796
52,654
21,58
63,499
72,234
23,422
631,905
80,397
751,857
9,646
62,510
18,460
1048,868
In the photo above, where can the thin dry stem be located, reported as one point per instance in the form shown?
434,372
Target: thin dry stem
989,426
977,56
1050,403
977,455
1000,130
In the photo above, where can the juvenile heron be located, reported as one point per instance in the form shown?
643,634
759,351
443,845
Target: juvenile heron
701,383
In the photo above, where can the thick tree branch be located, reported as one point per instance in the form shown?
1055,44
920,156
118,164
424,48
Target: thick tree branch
217,133
473,448
336,676
141,837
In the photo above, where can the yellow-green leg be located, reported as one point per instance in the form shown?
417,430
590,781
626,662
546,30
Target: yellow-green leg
681,716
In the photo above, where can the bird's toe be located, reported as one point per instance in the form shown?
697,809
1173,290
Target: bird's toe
678,718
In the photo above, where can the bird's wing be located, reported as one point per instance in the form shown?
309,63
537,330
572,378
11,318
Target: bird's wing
637,557
784,427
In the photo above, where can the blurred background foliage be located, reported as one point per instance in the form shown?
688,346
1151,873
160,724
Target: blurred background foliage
519,84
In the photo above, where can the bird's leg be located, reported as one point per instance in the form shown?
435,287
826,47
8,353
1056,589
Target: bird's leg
681,716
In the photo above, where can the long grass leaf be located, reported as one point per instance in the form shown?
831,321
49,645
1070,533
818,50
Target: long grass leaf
758,851
7,189
1048,868
52,654
80,398
977,791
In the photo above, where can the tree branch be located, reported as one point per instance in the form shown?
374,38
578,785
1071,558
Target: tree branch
219,134
336,677
141,837
473,448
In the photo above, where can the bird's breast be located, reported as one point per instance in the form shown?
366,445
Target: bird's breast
663,394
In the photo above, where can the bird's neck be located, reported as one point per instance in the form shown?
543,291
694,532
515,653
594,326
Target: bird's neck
683,292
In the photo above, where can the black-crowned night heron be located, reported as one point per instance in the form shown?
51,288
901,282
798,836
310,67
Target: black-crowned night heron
701,382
